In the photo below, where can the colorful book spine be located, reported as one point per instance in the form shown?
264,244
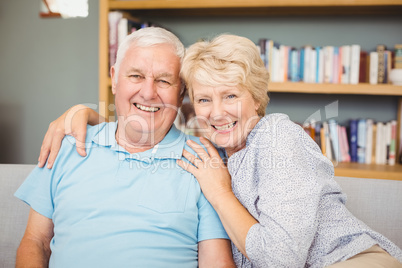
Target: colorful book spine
363,70
354,64
333,133
353,140
392,148
369,141
328,143
345,65
294,65
344,144
307,59
114,18
381,64
320,65
335,67
361,141
373,73
380,144
301,64
328,63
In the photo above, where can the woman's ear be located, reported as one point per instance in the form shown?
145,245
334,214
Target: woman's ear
256,106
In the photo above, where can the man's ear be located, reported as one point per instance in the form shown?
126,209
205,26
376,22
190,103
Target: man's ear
181,98
112,76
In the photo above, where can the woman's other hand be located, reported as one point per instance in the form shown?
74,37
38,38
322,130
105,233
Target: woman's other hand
73,122
209,169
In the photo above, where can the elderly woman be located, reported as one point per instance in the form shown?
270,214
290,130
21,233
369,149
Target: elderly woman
275,195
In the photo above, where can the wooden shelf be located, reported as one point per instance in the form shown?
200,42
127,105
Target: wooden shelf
359,89
343,89
372,171
257,7
207,8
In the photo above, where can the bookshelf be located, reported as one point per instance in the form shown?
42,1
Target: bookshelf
185,8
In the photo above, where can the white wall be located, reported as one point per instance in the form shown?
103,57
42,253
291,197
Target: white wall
47,65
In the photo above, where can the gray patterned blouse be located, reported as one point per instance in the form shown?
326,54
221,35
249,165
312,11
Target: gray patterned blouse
287,185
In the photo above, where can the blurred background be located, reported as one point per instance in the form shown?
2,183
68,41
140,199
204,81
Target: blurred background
49,64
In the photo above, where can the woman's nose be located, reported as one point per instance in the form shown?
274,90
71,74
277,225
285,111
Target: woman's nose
217,109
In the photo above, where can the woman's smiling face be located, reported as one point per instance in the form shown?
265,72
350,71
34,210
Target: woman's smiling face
226,114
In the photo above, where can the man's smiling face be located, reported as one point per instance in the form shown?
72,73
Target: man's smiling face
147,91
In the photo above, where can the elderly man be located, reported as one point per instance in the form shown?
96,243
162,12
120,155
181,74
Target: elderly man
127,203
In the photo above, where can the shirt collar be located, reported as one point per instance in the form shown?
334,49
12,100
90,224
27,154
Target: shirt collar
171,147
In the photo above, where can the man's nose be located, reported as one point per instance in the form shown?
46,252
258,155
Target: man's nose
148,89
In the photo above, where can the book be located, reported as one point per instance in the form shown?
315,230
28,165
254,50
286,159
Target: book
387,141
328,63
261,45
398,56
392,147
354,64
294,65
345,64
373,73
323,141
318,127
369,141
374,148
335,67
387,66
333,133
361,140
319,78
381,63
363,72
313,65
328,143
275,64
307,64
399,133
344,144
301,64
114,18
284,54
340,65
353,140
380,154
269,44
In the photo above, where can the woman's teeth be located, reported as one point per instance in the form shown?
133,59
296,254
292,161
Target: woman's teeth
146,108
225,127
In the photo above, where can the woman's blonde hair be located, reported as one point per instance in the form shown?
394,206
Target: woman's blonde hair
228,60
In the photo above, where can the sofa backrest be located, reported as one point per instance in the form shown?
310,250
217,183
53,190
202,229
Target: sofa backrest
13,212
378,203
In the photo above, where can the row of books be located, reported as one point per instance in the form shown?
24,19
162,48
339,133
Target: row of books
120,25
362,141
346,64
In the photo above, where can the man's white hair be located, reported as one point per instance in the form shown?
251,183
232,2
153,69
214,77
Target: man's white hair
147,37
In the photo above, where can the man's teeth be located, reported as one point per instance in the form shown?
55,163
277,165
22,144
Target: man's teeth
225,127
146,108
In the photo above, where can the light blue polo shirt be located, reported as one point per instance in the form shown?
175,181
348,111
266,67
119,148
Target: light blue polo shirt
116,209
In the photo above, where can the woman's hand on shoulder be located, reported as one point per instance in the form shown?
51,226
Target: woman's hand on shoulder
73,122
209,169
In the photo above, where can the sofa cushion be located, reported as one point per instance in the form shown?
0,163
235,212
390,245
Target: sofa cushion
378,203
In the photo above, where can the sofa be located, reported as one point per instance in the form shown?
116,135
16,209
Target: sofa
376,202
